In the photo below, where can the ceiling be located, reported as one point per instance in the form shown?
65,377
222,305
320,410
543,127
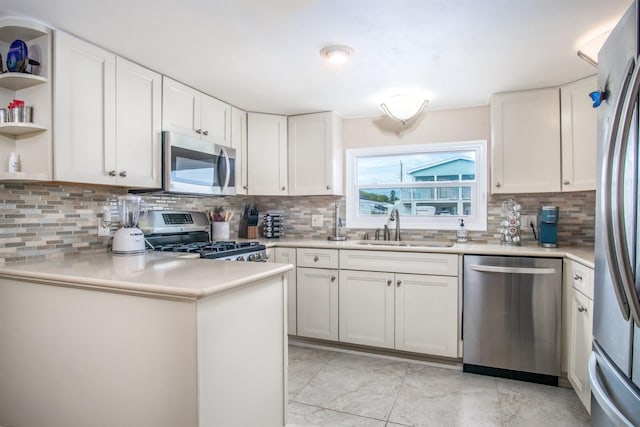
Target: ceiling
263,55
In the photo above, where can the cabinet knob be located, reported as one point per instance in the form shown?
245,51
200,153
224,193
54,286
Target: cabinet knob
389,281
283,188
566,182
581,309
576,276
205,132
315,258
333,278
244,187
498,184
328,187
112,173
399,282
198,131
123,174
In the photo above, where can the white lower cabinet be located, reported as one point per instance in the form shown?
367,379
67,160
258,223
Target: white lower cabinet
288,256
409,312
317,303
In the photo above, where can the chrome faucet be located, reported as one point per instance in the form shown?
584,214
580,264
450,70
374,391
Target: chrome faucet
395,216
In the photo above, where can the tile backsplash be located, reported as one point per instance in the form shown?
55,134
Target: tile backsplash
52,220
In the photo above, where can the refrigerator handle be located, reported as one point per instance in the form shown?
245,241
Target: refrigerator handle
608,193
620,242
600,393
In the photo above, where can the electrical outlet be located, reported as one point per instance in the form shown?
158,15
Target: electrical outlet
316,220
104,228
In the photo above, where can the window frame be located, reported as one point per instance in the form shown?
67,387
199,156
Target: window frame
477,222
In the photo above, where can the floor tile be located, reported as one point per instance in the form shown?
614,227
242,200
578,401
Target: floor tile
304,364
307,415
359,385
527,404
443,397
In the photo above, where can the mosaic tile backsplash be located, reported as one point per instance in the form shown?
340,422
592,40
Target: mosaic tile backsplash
49,220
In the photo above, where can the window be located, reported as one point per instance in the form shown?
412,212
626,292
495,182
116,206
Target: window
432,185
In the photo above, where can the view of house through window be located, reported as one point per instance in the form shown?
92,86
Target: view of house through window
432,186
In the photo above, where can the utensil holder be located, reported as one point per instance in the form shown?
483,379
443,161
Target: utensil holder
220,231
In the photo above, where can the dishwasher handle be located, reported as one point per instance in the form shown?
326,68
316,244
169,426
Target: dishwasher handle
511,270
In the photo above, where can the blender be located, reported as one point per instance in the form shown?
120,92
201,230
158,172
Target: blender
129,239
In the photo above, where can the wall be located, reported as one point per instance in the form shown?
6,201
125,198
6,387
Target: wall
53,220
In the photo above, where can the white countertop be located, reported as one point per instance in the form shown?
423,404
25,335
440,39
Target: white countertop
158,274
581,254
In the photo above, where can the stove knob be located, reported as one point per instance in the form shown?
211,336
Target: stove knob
251,257
258,257
240,258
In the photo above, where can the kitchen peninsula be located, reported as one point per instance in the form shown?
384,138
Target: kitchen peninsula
147,340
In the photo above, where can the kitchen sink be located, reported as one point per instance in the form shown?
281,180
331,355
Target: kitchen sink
414,243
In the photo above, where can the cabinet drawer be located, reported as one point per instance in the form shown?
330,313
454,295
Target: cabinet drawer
317,258
582,278
400,262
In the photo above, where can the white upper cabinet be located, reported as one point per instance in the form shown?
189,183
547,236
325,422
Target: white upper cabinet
107,121
30,140
579,135
315,154
239,142
267,154
190,112
525,138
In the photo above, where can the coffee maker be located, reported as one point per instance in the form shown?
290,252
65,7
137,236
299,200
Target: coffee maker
129,239
548,226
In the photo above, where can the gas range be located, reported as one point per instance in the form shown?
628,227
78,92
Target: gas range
188,232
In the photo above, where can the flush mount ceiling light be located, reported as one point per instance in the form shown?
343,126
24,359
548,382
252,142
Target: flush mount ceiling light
589,50
403,107
337,54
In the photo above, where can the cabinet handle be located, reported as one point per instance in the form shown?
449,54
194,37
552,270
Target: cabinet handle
112,173
498,184
581,309
205,132
399,282
333,278
389,282
566,182
198,131
576,276
315,258
123,174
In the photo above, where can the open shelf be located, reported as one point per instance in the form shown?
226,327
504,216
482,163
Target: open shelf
23,176
13,28
17,81
19,129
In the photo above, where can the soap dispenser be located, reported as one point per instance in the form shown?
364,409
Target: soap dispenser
461,234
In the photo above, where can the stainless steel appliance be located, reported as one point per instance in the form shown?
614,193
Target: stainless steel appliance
193,166
188,233
512,317
614,364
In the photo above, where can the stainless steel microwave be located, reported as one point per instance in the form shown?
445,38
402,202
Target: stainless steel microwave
194,166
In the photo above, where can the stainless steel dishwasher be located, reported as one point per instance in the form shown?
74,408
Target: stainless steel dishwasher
512,317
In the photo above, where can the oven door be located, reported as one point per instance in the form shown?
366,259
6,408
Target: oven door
193,166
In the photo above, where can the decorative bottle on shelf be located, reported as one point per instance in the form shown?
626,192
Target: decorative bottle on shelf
14,162
461,234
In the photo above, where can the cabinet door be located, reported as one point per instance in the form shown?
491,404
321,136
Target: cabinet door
180,108
138,125
315,154
317,303
367,308
525,128
427,314
84,104
580,340
267,154
215,120
288,256
239,142
579,135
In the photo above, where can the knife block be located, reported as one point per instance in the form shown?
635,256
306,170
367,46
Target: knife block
252,232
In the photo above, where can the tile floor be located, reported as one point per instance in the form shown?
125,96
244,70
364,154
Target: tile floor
329,388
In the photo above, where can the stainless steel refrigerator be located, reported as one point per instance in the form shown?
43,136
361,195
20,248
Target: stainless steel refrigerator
614,365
